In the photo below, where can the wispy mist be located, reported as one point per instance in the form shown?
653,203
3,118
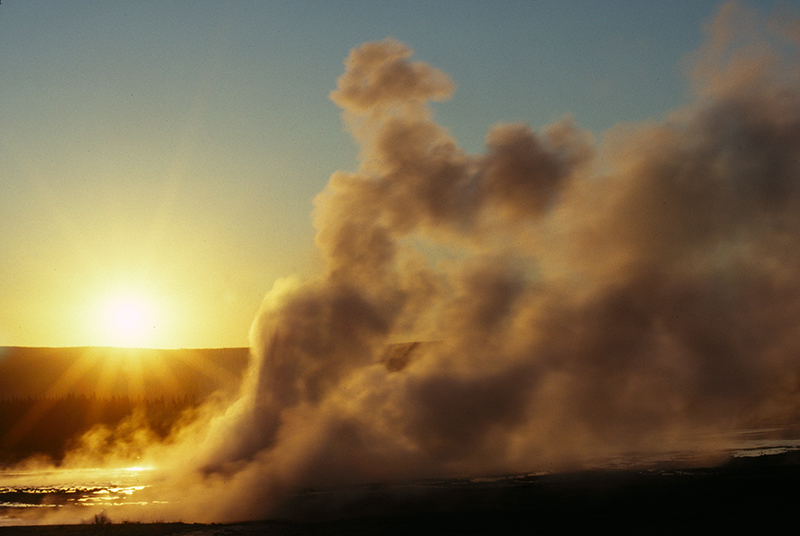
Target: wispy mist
575,299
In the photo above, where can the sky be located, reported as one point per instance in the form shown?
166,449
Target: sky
159,160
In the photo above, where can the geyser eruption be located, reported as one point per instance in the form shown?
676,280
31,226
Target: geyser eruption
586,299
572,300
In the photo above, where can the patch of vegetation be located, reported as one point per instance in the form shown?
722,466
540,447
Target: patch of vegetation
102,519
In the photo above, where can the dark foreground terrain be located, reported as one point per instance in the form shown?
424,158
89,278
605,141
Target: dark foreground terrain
745,495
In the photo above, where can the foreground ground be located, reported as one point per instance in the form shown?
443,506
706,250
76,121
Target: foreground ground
751,495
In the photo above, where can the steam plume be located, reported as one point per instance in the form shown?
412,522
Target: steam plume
587,299
575,299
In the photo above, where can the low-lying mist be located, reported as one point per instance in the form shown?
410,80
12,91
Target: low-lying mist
574,299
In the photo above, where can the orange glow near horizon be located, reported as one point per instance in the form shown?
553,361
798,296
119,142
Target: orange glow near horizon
120,309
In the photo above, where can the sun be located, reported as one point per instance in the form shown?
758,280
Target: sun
129,321
131,314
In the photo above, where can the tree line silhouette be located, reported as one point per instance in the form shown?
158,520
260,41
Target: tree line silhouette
50,427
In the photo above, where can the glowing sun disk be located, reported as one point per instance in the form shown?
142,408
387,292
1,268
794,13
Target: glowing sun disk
129,321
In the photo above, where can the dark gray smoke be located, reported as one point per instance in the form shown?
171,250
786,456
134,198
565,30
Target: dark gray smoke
574,300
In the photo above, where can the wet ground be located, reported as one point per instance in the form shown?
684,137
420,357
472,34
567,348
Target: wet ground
745,495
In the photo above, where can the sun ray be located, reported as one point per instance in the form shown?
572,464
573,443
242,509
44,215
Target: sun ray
158,364
60,388
208,368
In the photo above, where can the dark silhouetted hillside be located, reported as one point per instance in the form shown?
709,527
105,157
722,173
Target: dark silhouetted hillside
52,426
107,372
50,397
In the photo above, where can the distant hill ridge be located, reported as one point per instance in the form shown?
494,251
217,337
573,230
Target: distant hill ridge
108,371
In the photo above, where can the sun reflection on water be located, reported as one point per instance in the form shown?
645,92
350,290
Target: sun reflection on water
56,488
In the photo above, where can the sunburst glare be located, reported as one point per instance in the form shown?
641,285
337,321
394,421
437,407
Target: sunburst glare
129,319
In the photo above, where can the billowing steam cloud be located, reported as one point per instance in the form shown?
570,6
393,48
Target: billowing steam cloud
573,300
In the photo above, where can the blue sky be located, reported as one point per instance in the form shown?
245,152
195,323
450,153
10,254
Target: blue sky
171,150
